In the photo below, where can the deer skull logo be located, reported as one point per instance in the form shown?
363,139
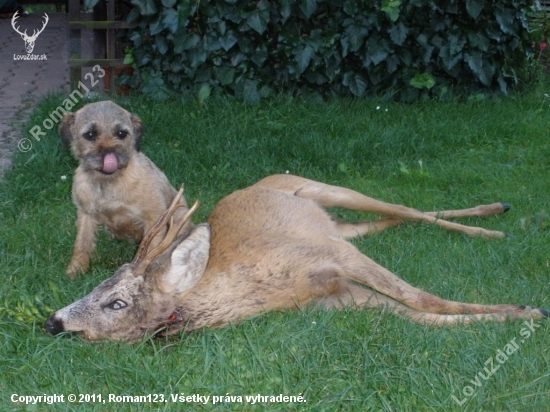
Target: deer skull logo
29,40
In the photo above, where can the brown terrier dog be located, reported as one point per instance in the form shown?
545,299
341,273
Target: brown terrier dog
115,184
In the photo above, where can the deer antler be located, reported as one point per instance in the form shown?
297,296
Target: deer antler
35,33
15,17
46,20
143,256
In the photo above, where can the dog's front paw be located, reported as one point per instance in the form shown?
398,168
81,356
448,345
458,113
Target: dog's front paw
77,267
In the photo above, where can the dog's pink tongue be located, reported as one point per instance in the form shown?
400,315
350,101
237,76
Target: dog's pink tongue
110,163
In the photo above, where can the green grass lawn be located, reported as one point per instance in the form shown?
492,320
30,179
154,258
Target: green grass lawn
430,155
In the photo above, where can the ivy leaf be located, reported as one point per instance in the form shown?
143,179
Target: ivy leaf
185,41
154,85
474,7
376,50
176,19
142,56
449,60
258,56
356,36
303,57
226,75
170,19
355,83
285,9
128,59
456,43
481,67
505,19
146,7
156,26
391,8
308,7
422,80
350,8
162,44
479,40
333,66
168,3
259,18
422,39
392,63
250,92
133,15
255,22
228,40
204,93
197,57
398,33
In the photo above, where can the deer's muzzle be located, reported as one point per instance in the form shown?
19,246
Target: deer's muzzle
54,326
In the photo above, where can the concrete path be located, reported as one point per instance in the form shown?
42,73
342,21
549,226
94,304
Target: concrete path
23,82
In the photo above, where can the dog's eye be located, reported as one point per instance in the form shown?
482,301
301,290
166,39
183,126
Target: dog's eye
117,304
90,136
121,134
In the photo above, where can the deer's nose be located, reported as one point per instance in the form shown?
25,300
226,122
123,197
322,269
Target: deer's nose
54,326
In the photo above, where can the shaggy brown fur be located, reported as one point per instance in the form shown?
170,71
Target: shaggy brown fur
115,184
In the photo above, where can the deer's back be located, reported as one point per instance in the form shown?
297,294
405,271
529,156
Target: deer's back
268,250
250,220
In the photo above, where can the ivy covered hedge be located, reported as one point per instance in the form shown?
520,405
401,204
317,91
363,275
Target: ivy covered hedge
406,49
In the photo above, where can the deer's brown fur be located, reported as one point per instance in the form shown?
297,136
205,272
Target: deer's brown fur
270,246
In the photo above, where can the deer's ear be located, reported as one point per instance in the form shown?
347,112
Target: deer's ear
188,261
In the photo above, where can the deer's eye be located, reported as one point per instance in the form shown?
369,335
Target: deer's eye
117,304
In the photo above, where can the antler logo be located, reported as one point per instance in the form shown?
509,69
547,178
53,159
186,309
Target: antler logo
29,40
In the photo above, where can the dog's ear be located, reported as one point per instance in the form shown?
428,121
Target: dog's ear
139,129
64,130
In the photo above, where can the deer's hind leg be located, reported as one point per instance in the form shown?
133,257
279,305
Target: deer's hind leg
368,228
335,196
389,288
358,297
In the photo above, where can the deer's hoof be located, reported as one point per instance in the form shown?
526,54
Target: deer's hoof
505,206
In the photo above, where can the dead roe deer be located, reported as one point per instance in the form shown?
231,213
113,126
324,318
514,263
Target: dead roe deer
270,246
